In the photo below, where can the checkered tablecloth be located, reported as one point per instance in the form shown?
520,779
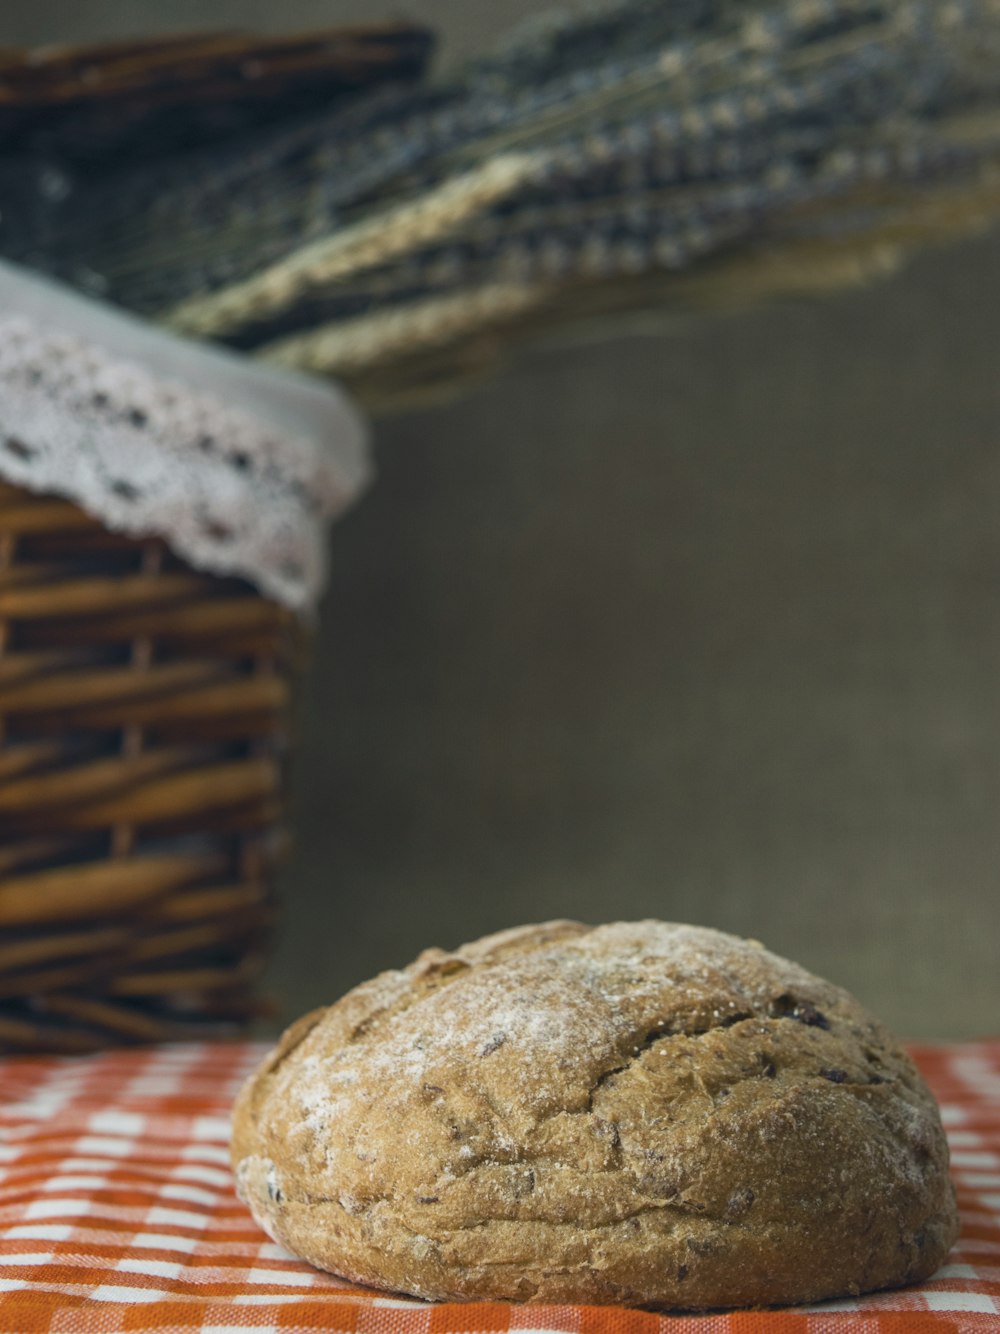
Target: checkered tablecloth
117,1213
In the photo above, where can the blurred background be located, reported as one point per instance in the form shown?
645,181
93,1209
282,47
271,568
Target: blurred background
697,623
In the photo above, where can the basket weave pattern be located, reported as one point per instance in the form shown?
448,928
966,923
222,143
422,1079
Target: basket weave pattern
143,724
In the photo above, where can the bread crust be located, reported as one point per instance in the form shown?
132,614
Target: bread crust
639,1113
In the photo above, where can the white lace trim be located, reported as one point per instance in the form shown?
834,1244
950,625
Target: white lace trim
232,491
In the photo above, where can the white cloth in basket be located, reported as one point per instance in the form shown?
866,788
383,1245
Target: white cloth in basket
238,468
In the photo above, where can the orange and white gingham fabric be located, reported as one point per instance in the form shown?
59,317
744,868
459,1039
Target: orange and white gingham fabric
117,1213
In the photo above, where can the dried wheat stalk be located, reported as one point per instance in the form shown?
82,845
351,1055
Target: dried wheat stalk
606,164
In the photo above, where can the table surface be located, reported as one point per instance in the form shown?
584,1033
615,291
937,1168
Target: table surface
117,1212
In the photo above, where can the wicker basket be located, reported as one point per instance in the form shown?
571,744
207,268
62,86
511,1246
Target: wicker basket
144,715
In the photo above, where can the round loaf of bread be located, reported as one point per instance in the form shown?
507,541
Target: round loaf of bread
639,1113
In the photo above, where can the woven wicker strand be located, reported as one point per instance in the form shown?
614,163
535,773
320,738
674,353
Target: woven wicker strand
143,724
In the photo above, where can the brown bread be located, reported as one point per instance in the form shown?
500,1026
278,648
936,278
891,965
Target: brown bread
637,1113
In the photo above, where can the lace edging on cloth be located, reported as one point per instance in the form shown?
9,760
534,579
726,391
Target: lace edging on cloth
229,491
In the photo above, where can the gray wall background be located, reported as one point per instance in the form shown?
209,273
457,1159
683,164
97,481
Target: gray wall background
702,625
